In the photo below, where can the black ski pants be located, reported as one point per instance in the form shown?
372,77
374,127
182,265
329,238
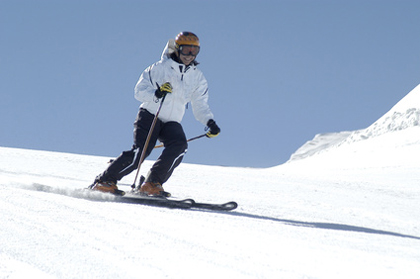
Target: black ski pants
170,134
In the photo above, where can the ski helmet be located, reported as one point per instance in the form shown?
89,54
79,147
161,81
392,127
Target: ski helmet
187,38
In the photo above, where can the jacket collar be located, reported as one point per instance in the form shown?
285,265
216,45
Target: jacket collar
181,67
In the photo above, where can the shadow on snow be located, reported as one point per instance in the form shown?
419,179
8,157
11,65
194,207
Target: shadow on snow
321,225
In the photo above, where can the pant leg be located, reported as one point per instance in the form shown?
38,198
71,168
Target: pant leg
115,170
129,160
175,146
141,130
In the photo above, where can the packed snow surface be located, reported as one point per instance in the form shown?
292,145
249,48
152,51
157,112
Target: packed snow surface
345,206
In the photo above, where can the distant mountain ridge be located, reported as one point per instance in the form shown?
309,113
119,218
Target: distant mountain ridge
405,114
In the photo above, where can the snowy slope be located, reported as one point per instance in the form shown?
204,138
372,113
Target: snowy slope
348,212
358,223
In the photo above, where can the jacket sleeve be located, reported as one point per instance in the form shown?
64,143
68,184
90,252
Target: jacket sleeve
199,101
146,86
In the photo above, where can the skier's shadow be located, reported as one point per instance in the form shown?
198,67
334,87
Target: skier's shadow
320,225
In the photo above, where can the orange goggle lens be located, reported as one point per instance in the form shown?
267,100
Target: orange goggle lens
189,50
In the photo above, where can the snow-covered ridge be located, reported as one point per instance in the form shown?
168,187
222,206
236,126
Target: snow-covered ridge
396,121
405,114
319,143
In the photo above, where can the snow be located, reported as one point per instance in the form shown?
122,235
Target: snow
345,206
405,114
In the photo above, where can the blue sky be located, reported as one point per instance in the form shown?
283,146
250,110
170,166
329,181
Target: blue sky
279,71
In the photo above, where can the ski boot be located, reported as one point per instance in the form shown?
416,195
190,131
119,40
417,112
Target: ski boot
105,186
152,189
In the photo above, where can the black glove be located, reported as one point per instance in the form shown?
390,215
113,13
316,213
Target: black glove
214,130
163,90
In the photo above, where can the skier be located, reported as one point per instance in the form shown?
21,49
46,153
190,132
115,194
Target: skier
176,77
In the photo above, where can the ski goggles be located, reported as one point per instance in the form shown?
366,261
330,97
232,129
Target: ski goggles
189,50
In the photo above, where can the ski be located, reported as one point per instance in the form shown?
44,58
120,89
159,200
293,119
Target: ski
155,201
214,206
174,203
209,206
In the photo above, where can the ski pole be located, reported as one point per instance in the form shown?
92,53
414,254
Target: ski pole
191,139
146,144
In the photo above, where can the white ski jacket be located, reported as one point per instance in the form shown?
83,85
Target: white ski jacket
188,83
